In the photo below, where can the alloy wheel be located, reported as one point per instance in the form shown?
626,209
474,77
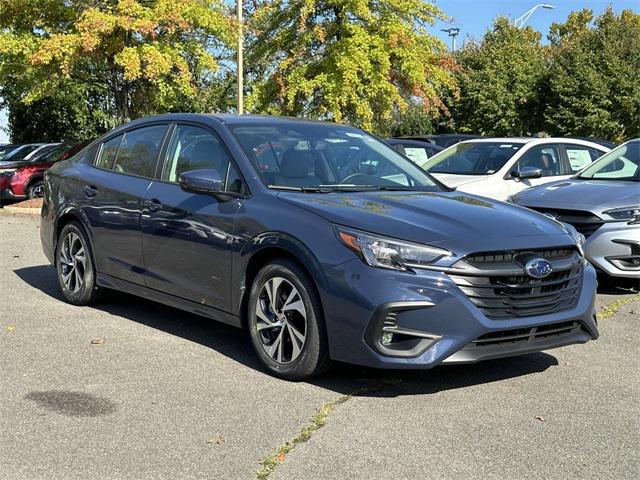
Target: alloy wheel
73,262
281,320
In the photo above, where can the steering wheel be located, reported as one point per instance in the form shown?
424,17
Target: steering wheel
352,176
352,167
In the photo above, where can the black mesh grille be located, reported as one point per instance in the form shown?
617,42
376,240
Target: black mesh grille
584,222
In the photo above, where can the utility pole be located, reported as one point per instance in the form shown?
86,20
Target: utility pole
453,32
520,21
240,64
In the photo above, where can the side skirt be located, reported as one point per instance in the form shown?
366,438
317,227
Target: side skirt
166,299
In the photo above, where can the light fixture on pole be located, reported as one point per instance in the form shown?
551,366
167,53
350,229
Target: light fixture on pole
520,21
240,108
453,33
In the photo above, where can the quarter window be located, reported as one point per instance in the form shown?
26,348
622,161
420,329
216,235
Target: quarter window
139,150
108,153
195,148
544,157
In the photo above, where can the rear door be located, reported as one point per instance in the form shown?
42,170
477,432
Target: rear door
188,238
579,156
113,194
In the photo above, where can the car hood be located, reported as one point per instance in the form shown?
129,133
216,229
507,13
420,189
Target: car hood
594,196
453,180
456,221
16,164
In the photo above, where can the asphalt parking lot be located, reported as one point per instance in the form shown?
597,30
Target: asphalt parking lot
134,390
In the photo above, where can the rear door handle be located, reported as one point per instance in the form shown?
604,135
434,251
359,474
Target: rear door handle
153,205
90,190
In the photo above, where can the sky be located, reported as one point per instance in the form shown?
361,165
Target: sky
474,17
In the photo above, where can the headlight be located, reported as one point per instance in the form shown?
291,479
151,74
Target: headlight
628,214
577,237
384,252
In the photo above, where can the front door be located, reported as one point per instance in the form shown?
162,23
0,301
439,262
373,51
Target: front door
545,157
187,237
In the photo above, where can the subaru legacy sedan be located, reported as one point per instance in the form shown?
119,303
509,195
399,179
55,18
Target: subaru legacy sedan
603,203
320,240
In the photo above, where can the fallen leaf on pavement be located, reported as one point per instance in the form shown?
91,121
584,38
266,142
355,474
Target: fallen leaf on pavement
217,440
11,327
540,418
280,457
97,341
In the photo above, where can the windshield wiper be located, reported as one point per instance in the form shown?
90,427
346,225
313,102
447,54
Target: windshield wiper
300,189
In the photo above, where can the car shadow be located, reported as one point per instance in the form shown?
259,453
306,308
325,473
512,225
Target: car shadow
617,286
342,378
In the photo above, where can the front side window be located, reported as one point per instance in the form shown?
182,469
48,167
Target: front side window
622,163
196,148
543,157
580,156
326,156
139,150
472,158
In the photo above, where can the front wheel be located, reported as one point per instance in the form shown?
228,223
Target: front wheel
76,275
285,322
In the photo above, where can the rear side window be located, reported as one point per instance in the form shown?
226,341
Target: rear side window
544,157
581,156
108,152
195,148
139,150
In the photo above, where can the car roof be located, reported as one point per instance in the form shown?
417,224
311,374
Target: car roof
535,140
417,143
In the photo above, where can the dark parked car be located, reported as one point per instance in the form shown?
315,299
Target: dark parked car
7,148
416,150
296,231
444,140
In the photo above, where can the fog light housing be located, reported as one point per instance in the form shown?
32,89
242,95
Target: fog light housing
386,338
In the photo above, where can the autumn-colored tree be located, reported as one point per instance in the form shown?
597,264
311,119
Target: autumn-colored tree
499,82
592,82
353,61
142,56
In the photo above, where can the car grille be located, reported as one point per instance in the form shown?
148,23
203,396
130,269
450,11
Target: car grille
529,334
584,222
500,288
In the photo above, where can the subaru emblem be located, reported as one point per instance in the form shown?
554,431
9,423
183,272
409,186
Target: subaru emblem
538,268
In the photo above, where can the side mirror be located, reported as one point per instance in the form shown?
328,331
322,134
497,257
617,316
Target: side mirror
527,172
201,181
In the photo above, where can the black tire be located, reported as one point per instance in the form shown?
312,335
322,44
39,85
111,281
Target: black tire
313,356
35,190
84,292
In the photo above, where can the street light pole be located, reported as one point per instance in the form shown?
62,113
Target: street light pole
520,21
453,33
240,60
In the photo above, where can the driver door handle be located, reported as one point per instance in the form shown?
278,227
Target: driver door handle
153,205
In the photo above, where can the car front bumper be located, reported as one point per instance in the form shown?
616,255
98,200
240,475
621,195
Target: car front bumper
613,247
444,326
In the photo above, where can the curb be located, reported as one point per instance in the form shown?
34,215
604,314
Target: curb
21,211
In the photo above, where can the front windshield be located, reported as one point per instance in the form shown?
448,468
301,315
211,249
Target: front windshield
622,163
326,157
472,158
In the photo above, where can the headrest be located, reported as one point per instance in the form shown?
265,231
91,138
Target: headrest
295,163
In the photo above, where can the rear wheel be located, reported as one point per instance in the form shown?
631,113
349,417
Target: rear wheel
286,323
76,275
36,190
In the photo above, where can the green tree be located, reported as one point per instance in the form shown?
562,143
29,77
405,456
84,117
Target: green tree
355,61
141,56
592,84
500,81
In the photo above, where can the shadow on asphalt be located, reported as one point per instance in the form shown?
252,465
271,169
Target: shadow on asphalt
617,286
342,378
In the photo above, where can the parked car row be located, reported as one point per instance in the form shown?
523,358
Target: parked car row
22,167
327,243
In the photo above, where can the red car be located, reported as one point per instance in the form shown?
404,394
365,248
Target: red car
24,179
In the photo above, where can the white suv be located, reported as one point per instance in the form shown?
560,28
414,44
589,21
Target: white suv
501,167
